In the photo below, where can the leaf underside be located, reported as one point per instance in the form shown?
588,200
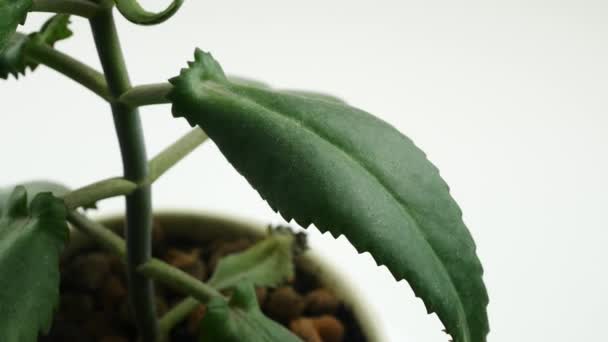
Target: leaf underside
323,162
241,320
31,239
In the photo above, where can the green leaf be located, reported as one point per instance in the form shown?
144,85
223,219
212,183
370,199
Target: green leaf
349,173
247,82
33,188
241,320
31,239
13,59
53,30
267,263
12,12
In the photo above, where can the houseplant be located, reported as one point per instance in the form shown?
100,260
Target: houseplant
312,157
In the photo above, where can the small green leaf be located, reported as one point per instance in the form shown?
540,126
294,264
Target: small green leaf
267,263
12,13
344,170
53,30
241,320
31,239
13,59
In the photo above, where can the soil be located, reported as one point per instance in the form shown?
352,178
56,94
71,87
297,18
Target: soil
94,303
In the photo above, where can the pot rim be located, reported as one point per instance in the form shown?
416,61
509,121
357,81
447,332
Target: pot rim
329,273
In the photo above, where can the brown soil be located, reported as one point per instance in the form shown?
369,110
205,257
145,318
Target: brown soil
94,304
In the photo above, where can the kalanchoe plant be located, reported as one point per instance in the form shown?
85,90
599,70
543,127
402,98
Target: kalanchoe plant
312,157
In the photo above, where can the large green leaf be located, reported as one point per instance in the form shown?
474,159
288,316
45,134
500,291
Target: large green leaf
13,59
338,167
241,320
31,239
267,263
12,12
254,83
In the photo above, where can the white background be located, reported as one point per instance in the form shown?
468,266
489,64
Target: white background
508,98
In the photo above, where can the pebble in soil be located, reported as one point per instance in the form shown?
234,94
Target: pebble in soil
94,303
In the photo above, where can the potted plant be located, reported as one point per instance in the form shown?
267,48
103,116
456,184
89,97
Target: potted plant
311,156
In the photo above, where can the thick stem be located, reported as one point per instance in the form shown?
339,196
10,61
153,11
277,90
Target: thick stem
138,203
70,67
83,8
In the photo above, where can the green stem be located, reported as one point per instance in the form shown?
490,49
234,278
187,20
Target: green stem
160,164
135,166
153,268
98,232
145,95
133,12
174,153
162,271
92,193
179,280
83,8
70,67
176,315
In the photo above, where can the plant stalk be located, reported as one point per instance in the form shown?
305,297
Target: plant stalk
153,268
70,67
83,8
92,193
116,186
98,232
148,94
139,202
179,280
176,315
166,159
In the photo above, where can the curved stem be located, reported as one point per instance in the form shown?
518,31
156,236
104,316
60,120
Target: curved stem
83,8
176,315
158,165
174,153
154,268
132,146
136,14
92,193
179,280
98,232
70,67
145,95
